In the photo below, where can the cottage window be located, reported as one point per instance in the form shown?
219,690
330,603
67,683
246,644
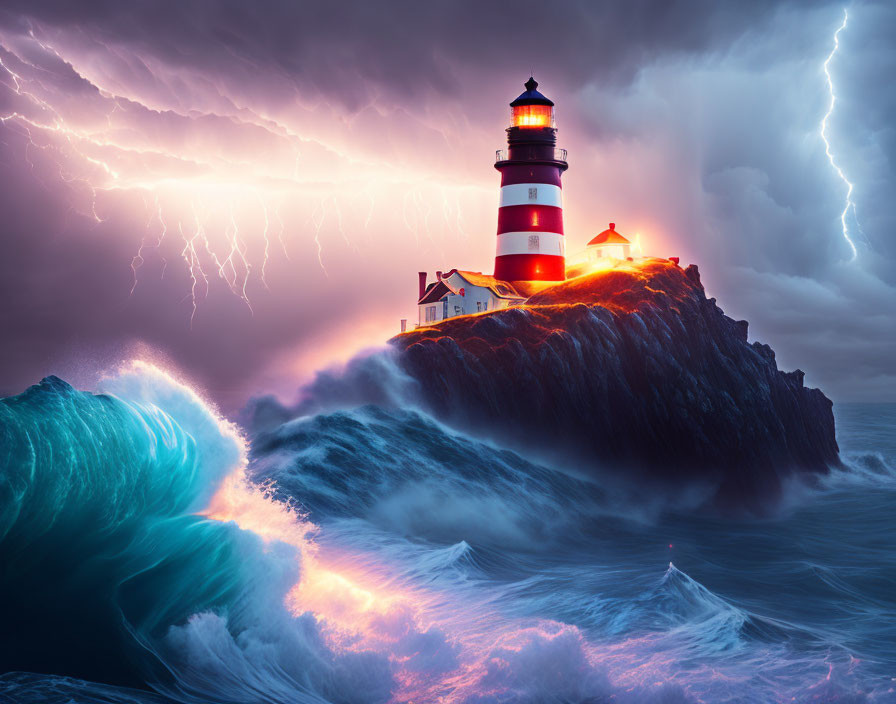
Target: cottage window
479,306
430,314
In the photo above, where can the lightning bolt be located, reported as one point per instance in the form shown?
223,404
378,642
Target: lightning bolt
267,242
138,259
161,236
237,253
194,264
317,225
338,210
850,204
118,145
58,126
280,228
247,266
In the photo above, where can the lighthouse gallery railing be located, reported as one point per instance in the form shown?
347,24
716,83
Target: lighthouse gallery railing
534,154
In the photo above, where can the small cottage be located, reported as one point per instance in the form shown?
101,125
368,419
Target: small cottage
608,244
461,293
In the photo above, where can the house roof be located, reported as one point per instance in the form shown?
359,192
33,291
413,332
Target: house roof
502,289
531,96
434,292
609,237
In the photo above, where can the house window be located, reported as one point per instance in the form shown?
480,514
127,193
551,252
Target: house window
430,314
485,305
533,243
444,309
479,306
458,310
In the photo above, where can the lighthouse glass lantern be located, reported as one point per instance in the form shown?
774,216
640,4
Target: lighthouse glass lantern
532,116
531,245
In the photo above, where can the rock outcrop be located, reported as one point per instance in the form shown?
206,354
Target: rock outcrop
632,371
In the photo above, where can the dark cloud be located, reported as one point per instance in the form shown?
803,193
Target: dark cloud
349,51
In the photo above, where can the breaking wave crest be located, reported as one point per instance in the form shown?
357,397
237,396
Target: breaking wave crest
97,496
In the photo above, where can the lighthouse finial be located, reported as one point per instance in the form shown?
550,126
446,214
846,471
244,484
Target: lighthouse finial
531,84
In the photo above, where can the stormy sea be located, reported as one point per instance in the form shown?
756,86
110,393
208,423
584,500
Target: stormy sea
151,551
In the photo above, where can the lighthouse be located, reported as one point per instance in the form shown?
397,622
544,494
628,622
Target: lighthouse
531,246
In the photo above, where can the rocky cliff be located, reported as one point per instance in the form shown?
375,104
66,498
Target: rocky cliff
634,372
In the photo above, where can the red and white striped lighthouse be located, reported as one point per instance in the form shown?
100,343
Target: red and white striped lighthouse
531,246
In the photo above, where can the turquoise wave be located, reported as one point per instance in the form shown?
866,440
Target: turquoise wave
96,501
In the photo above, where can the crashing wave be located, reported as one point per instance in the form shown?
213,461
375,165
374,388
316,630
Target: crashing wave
111,575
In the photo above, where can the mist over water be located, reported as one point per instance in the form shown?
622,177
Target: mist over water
364,553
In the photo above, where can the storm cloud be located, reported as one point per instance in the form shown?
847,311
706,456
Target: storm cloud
337,148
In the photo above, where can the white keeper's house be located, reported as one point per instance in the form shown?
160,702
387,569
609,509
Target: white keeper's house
462,293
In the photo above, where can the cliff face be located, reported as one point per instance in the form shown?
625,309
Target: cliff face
633,371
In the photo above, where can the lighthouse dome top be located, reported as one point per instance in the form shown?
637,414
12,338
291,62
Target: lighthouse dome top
531,96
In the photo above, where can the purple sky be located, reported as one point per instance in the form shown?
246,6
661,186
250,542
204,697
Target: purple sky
353,143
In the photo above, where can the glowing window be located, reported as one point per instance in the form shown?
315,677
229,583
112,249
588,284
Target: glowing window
532,116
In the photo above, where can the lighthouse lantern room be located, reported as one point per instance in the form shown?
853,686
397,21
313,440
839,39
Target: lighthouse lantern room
531,246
